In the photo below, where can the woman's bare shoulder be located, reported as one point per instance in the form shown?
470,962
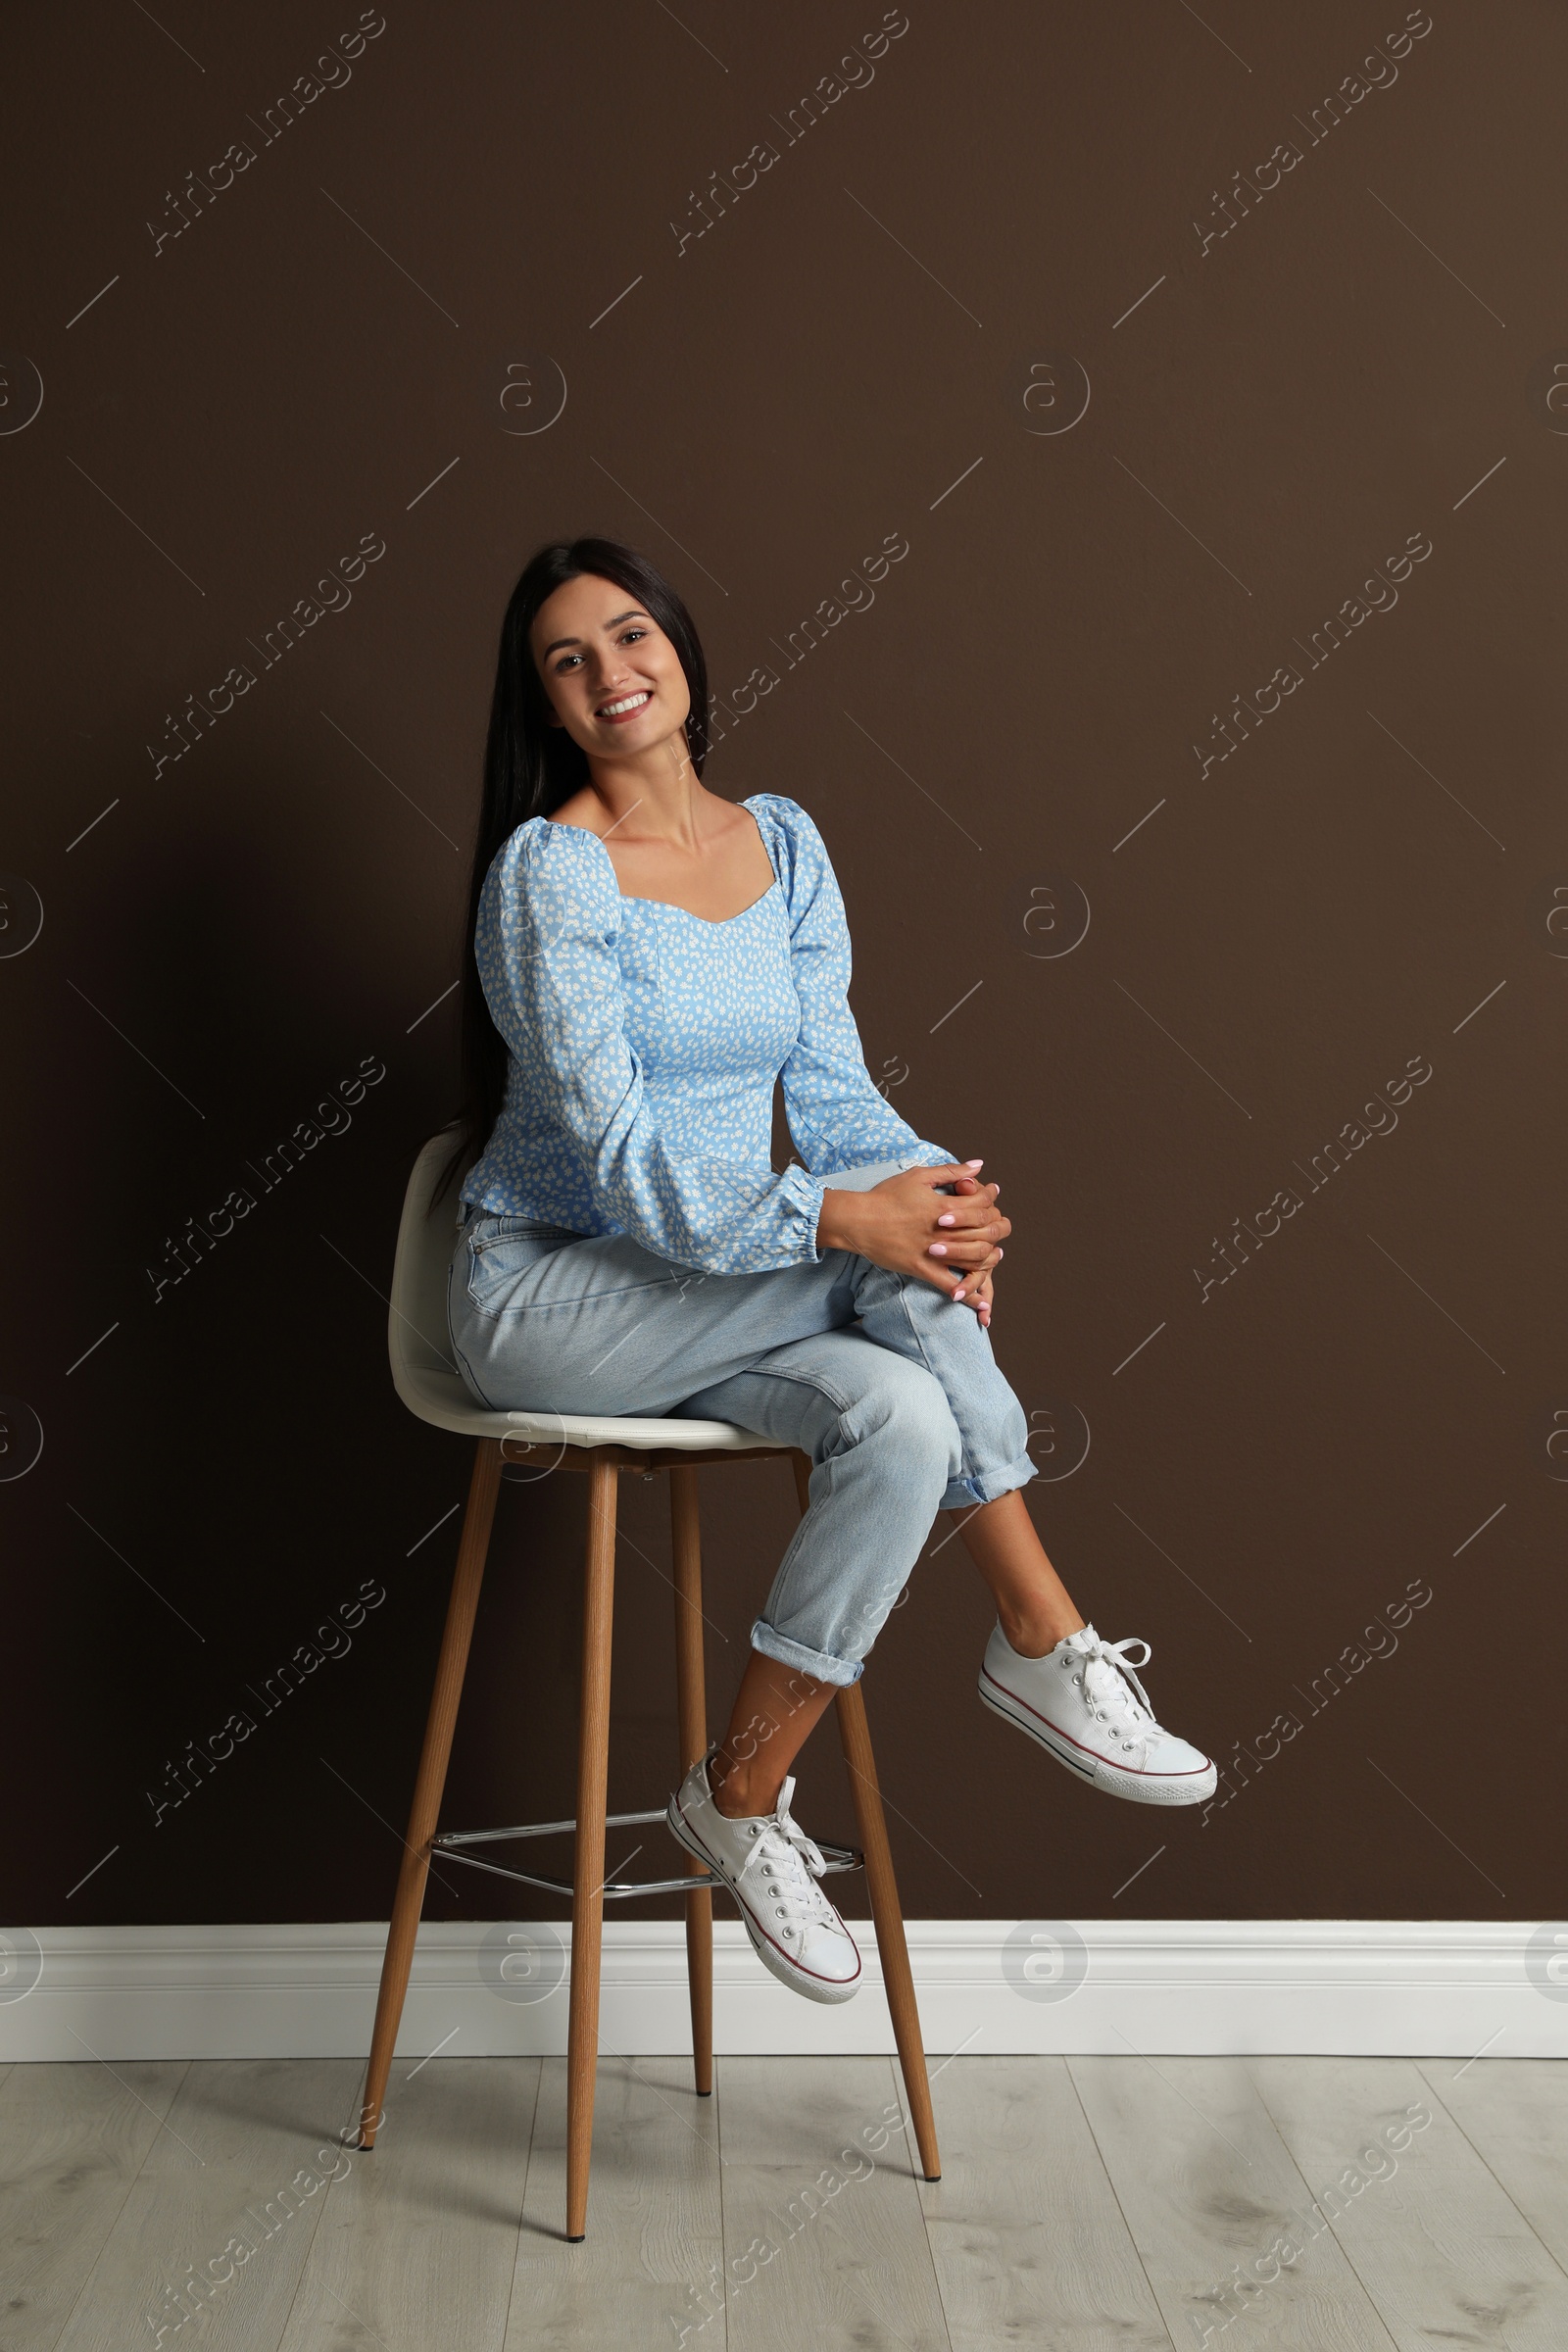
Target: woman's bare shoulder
582,809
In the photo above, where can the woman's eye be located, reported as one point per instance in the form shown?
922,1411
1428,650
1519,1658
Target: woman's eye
627,636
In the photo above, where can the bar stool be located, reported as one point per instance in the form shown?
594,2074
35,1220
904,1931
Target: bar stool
431,1386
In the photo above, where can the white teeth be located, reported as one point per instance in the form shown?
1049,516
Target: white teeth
628,703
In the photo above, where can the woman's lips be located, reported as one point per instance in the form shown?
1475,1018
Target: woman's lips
617,718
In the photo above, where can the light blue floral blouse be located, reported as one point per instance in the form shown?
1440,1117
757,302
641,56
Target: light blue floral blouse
645,1042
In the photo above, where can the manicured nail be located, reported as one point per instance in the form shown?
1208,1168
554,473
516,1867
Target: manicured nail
974,1163
938,1250
949,1219
958,1294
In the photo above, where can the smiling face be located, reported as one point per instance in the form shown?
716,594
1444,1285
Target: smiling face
612,677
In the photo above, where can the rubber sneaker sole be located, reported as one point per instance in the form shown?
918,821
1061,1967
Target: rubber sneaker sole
788,1971
1139,1788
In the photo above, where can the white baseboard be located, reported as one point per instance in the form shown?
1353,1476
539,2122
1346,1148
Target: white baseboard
1364,1988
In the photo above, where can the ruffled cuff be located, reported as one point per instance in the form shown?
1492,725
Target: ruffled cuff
802,1194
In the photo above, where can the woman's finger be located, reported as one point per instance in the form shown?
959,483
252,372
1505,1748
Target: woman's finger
943,1278
979,1296
973,1278
973,1216
982,1228
969,1251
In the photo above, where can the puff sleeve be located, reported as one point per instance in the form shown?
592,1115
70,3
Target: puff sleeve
545,942
836,1115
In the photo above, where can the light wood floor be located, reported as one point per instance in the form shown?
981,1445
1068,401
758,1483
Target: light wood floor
1087,2204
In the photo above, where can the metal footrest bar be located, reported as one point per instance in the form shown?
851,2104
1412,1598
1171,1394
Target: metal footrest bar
541,1828
451,1842
609,1888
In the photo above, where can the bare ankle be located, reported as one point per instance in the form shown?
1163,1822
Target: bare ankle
736,1793
1036,1636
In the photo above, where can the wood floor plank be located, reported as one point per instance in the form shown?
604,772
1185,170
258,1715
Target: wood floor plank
1443,2252
825,2236
222,2189
654,2229
416,2246
73,2138
1515,2111
1208,2188
778,2215
1028,2238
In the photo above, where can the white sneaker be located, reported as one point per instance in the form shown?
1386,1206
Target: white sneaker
1086,1707
767,1861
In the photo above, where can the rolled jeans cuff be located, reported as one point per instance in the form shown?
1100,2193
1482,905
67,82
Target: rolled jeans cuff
818,1662
965,1493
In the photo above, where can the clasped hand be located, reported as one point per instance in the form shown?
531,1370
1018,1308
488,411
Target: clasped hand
905,1223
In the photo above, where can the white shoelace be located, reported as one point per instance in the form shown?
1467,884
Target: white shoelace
1108,1673
784,1855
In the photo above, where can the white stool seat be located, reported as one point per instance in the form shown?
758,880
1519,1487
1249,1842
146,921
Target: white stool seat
428,1379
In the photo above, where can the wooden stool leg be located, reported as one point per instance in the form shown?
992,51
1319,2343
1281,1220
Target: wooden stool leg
692,1710
409,1902
897,1975
588,1884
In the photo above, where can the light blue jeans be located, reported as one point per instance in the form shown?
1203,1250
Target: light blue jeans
887,1386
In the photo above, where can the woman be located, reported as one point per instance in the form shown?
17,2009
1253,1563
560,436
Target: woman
647,960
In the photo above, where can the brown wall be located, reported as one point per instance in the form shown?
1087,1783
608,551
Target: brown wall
889,333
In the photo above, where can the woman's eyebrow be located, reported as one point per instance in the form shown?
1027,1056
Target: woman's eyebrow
559,642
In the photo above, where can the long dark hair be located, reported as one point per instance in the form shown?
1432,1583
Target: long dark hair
531,768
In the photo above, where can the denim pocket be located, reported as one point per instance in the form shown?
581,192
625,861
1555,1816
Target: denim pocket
490,1231
501,1248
